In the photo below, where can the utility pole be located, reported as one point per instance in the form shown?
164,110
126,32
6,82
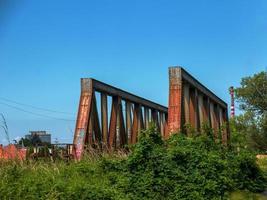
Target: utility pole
5,127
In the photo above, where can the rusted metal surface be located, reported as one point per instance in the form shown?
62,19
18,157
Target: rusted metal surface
83,116
195,105
186,77
113,91
113,121
190,102
129,129
128,115
175,99
104,117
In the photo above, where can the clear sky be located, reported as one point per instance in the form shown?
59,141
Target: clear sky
47,46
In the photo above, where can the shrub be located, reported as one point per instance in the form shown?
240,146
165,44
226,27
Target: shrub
179,168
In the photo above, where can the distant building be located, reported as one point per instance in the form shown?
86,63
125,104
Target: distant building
43,136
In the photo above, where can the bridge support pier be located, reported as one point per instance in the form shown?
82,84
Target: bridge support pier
191,105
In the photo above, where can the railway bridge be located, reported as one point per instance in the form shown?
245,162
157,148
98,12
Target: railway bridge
109,117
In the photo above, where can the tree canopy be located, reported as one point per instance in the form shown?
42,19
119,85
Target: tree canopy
252,94
251,126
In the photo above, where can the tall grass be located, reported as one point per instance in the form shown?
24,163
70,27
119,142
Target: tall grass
180,168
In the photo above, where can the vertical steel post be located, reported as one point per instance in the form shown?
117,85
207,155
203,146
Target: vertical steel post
83,116
113,122
104,118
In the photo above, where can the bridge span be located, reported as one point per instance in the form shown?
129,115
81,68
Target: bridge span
111,118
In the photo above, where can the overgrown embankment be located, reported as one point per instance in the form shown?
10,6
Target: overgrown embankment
179,168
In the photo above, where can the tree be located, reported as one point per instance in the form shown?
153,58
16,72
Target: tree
25,142
252,95
252,124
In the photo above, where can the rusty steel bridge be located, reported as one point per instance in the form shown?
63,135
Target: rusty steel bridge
122,114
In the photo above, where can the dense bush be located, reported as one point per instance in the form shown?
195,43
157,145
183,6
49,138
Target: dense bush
179,168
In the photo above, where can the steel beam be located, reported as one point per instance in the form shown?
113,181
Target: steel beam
129,121
113,122
113,91
83,116
194,82
104,118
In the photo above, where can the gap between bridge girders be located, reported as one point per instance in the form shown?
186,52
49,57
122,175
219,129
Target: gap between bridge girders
194,82
113,91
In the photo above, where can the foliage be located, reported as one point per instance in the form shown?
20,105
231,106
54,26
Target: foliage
252,94
33,141
179,168
251,126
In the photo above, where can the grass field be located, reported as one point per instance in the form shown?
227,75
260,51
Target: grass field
243,195
179,168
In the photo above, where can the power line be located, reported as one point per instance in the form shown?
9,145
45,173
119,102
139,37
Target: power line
37,114
35,107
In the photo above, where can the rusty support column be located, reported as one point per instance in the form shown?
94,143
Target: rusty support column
146,116
90,132
214,121
220,117
120,129
197,111
166,128
96,124
186,103
217,121
161,121
83,116
136,122
128,121
154,116
226,131
212,115
205,110
193,109
201,109
209,112
175,99
141,125
113,122
104,118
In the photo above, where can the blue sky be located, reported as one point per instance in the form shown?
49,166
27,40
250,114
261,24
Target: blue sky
47,46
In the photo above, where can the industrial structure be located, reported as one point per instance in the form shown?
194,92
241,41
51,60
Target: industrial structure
123,115
232,93
42,136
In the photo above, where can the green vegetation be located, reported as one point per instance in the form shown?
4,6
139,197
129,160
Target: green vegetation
195,167
250,128
179,168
